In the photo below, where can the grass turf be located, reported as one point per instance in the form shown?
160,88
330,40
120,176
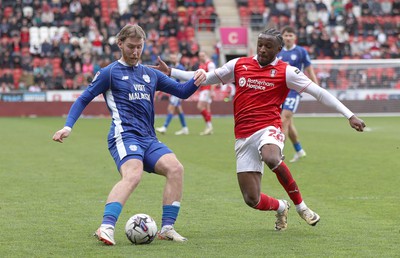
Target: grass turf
52,195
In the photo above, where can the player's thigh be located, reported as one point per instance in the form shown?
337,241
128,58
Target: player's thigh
286,116
204,99
160,159
250,183
171,109
132,169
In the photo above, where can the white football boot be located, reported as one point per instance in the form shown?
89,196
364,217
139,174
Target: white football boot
281,218
105,234
298,155
183,131
309,216
161,129
169,233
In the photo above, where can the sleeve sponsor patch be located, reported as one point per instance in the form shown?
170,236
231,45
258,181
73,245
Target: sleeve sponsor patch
297,71
96,75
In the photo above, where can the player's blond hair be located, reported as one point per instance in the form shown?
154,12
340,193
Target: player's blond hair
131,31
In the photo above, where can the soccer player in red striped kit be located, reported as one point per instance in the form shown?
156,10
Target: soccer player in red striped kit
262,84
206,94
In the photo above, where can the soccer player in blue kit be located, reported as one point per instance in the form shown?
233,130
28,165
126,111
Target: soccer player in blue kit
128,89
298,57
175,103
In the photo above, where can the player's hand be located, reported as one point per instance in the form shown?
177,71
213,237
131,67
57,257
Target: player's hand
199,77
357,123
61,134
162,67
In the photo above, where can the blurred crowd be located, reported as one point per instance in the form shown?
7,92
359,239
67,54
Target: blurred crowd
358,29
60,44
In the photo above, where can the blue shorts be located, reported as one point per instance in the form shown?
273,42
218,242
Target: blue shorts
292,101
128,146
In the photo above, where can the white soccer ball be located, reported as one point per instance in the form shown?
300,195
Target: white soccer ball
141,229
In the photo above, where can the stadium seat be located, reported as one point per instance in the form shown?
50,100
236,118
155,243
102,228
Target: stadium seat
57,71
200,2
62,29
53,31
172,4
190,33
36,62
173,44
27,11
243,12
56,61
123,5
34,31
8,11
44,33
191,11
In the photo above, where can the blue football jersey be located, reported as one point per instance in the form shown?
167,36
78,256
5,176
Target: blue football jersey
129,95
297,57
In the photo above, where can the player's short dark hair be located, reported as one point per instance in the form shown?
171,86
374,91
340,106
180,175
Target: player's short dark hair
274,33
288,29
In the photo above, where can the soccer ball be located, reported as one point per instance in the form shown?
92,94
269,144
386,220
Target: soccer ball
141,229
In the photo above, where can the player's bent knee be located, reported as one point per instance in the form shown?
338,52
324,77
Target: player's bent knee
175,171
272,162
251,200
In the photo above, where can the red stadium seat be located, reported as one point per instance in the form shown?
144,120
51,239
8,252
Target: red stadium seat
36,62
172,4
190,33
8,12
173,44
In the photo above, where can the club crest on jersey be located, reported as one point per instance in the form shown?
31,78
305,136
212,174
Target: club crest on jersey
133,147
146,78
293,57
242,81
273,72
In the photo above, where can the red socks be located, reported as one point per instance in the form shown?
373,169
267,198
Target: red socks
206,115
267,203
285,178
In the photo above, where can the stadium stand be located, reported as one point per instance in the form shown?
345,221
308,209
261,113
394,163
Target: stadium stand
47,39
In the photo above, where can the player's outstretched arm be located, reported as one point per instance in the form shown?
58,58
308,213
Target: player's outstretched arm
357,123
61,134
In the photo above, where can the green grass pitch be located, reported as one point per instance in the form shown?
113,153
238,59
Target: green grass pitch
52,195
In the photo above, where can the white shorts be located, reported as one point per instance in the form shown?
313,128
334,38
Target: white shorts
174,101
205,96
248,154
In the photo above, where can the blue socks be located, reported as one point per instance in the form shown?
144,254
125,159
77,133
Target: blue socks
170,213
182,119
297,146
168,119
112,211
